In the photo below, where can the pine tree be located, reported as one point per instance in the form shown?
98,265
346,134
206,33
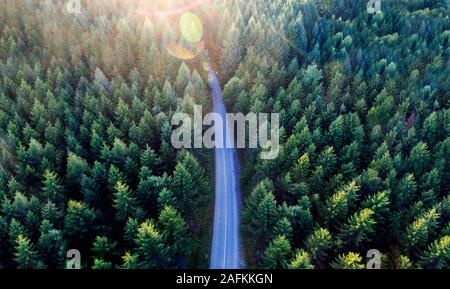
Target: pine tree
422,230
167,101
283,227
122,116
25,255
130,231
150,159
93,187
406,191
277,253
15,229
231,91
419,159
130,261
150,247
104,248
174,234
319,244
101,264
301,261
166,198
115,176
190,184
51,213
438,254
76,167
232,51
101,80
52,187
51,245
297,34
350,260
379,204
124,202
358,228
338,205
403,262
182,80
259,215
80,221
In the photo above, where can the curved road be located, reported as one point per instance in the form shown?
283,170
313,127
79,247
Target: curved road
226,244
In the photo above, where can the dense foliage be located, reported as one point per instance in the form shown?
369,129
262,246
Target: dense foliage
364,163
86,160
85,154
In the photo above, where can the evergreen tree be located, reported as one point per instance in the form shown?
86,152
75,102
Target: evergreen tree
101,264
130,261
338,205
403,262
190,185
80,222
301,261
364,133
25,255
422,229
124,202
438,254
174,235
15,230
52,187
319,244
76,167
350,260
51,245
259,215
104,248
232,51
150,247
358,229
283,227
277,253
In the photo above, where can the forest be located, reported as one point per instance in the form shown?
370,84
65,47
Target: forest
86,160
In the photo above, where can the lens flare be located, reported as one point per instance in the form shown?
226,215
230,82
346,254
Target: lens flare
175,11
181,52
191,27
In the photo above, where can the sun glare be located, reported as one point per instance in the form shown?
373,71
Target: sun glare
191,27
171,7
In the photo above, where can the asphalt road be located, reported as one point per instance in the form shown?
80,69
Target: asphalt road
226,243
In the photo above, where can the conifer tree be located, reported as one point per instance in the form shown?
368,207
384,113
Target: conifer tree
124,202
25,254
150,247
350,260
301,261
277,253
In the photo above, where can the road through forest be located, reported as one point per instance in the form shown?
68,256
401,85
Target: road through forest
226,243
